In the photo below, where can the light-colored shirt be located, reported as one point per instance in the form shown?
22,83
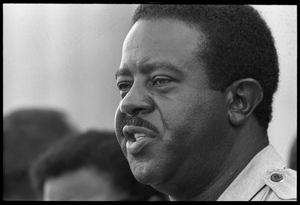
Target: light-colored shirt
265,178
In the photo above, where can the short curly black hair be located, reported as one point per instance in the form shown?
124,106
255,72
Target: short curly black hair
238,45
95,149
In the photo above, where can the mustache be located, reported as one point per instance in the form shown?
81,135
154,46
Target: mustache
139,122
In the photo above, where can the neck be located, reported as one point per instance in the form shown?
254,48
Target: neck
249,140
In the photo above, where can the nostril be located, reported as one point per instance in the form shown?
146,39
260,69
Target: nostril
137,111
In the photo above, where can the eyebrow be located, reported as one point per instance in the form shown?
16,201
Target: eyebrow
123,72
148,68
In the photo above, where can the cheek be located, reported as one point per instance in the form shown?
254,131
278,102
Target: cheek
183,114
196,115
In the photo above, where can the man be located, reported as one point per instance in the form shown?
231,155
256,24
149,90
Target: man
196,83
88,167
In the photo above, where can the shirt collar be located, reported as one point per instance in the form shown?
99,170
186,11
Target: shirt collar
251,179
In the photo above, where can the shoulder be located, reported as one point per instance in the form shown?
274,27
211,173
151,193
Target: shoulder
281,185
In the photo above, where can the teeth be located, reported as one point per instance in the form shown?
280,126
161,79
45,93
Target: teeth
139,135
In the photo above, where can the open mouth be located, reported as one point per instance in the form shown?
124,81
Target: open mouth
136,138
134,133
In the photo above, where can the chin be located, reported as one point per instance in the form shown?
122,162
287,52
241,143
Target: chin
143,179
144,173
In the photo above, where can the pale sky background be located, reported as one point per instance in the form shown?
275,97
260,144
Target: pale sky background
64,56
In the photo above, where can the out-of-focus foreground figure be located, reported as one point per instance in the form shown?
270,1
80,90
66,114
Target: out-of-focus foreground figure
26,134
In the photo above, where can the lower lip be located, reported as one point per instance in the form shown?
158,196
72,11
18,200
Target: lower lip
134,147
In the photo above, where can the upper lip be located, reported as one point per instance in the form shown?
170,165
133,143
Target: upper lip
130,130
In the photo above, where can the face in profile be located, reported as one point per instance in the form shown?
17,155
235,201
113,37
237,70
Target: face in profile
168,121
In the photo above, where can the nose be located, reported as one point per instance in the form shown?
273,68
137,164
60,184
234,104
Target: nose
136,101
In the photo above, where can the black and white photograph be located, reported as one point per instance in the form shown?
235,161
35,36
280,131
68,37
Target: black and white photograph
149,102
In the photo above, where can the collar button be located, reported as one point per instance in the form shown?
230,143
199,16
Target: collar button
276,177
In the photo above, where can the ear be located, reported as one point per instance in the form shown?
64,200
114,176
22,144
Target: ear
243,97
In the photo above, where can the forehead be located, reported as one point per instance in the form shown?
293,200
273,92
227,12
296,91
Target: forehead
161,39
82,184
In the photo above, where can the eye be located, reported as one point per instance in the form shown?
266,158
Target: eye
161,81
124,86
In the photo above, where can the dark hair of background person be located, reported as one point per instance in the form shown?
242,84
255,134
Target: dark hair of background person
97,149
238,44
26,134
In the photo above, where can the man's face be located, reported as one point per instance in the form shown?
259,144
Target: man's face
169,123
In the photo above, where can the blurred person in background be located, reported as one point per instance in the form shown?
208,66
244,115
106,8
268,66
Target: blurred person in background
26,134
88,167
